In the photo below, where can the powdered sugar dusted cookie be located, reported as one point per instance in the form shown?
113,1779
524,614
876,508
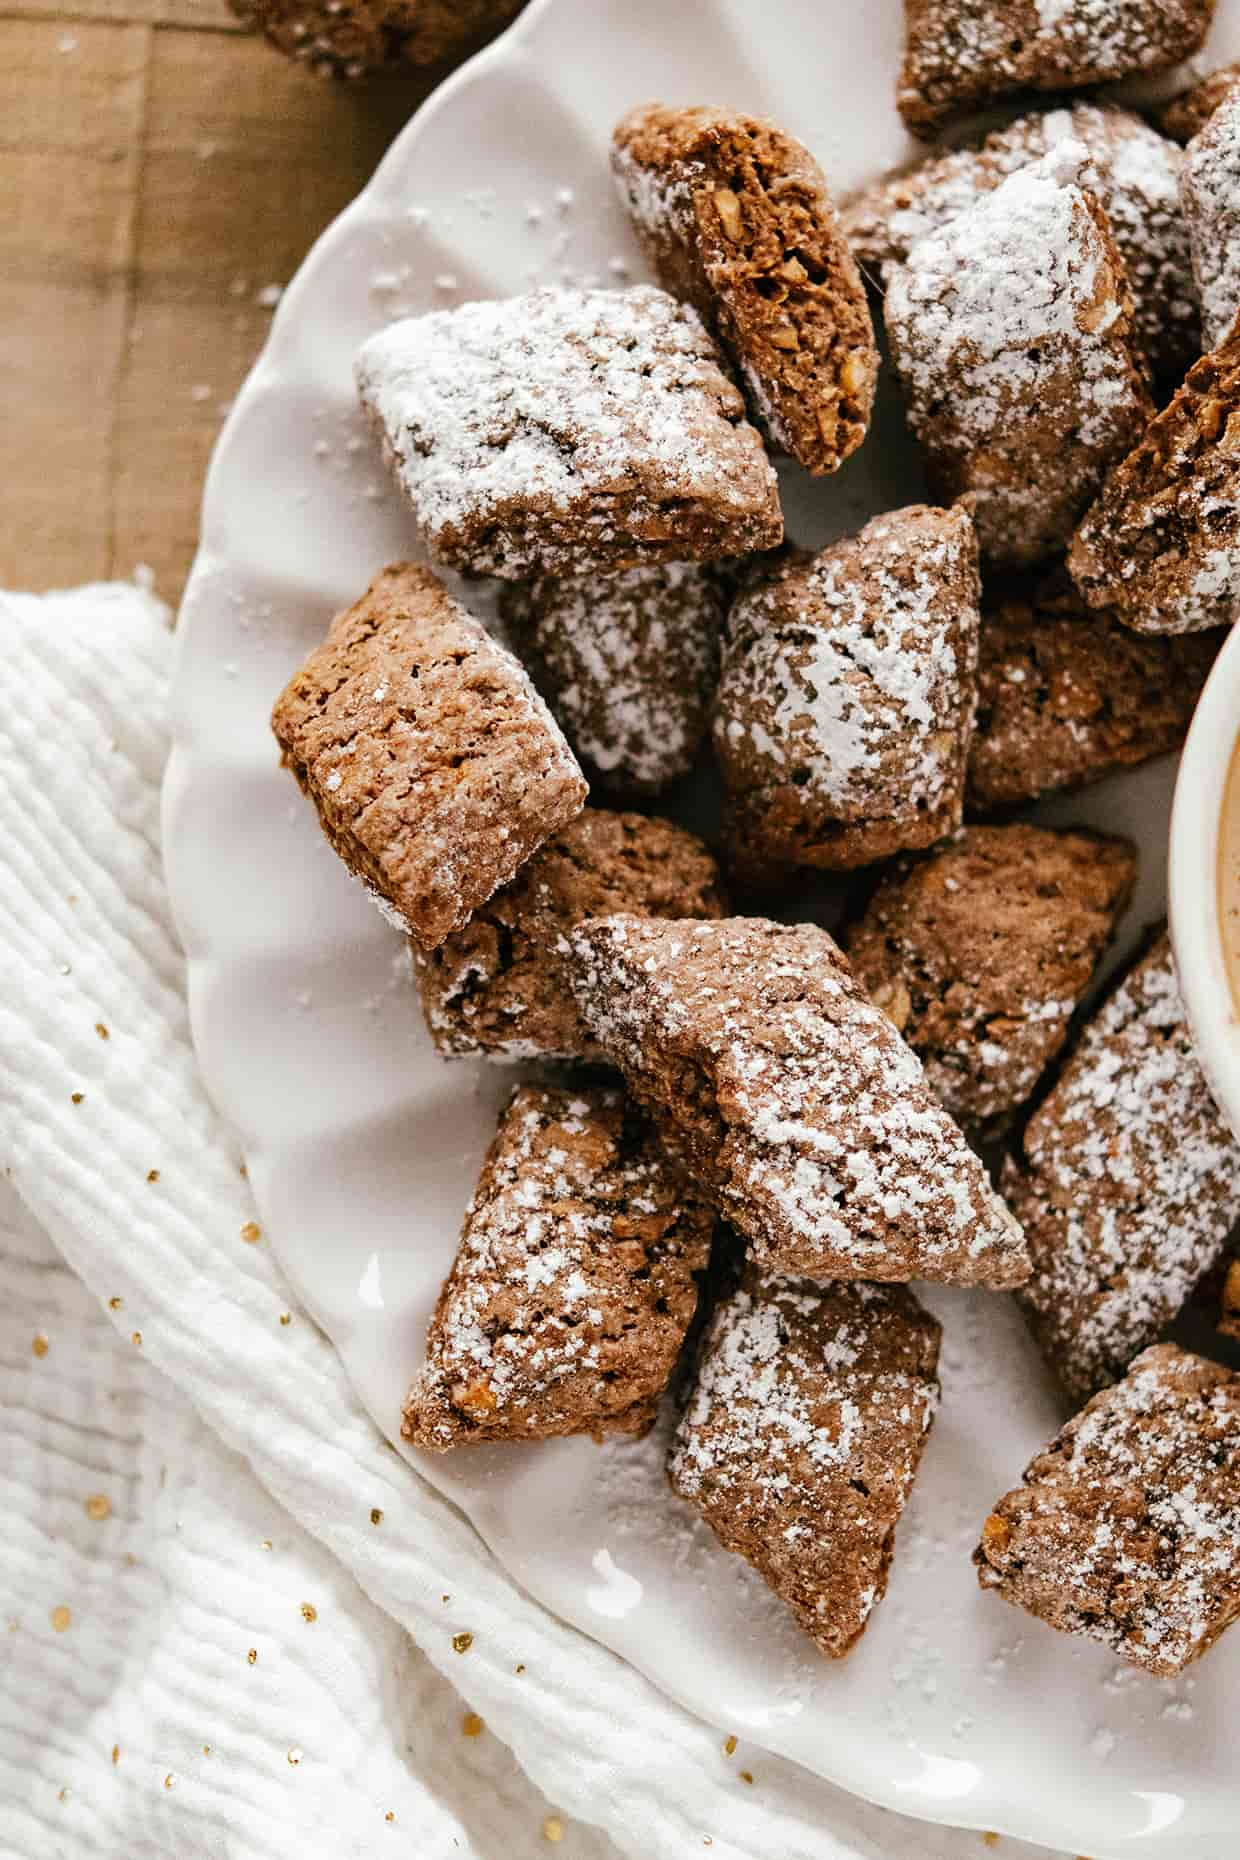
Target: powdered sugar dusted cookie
1211,193
1011,331
628,663
1161,546
1133,171
735,216
1127,1528
1128,1184
802,1439
847,697
435,767
1187,115
574,1284
569,430
498,988
792,1101
350,38
981,953
1066,696
963,55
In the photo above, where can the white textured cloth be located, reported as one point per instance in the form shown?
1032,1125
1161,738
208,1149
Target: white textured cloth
235,1675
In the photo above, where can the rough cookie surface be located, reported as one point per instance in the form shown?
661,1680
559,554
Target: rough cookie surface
574,1284
498,986
792,1101
568,431
1128,1185
980,955
628,663
1187,115
349,38
1067,696
435,767
847,697
803,1436
1210,189
1229,1302
1161,546
1133,171
735,216
1127,1528
1011,334
963,55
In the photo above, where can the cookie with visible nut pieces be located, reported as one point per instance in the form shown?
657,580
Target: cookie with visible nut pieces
964,55
802,1437
735,216
1160,547
1011,333
1127,1527
847,697
981,953
435,767
574,1284
497,988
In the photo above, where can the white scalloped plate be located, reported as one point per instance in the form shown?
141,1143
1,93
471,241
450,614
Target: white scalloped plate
363,1147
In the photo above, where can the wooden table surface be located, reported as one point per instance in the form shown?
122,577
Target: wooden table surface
163,173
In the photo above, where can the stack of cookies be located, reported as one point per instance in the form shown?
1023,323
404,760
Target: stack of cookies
740,1142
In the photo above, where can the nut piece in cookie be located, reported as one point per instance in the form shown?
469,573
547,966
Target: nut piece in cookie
802,1439
1161,546
847,697
435,767
569,431
1210,190
981,953
351,38
628,663
792,1101
1134,173
1127,1528
498,986
574,1284
1066,696
1011,333
1127,1185
963,55
735,216
1187,115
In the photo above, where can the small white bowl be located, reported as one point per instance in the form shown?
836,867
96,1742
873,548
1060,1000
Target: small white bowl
1195,901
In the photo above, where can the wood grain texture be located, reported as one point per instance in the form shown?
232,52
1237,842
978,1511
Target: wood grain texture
163,175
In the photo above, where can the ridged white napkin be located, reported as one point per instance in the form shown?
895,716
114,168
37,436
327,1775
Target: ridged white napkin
221,1664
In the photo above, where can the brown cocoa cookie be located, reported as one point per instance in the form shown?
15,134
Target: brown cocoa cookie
1186,115
735,216
981,953
792,1101
497,987
847,696
1127,1185
574,1283
1133,171
628,664
435,767
1011,332
351,38
803,1436
569,431
964,55
1127,1528
1161,546
1229,1302
1210,190
1066,696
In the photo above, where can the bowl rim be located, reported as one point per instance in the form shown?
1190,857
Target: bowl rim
1192,879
